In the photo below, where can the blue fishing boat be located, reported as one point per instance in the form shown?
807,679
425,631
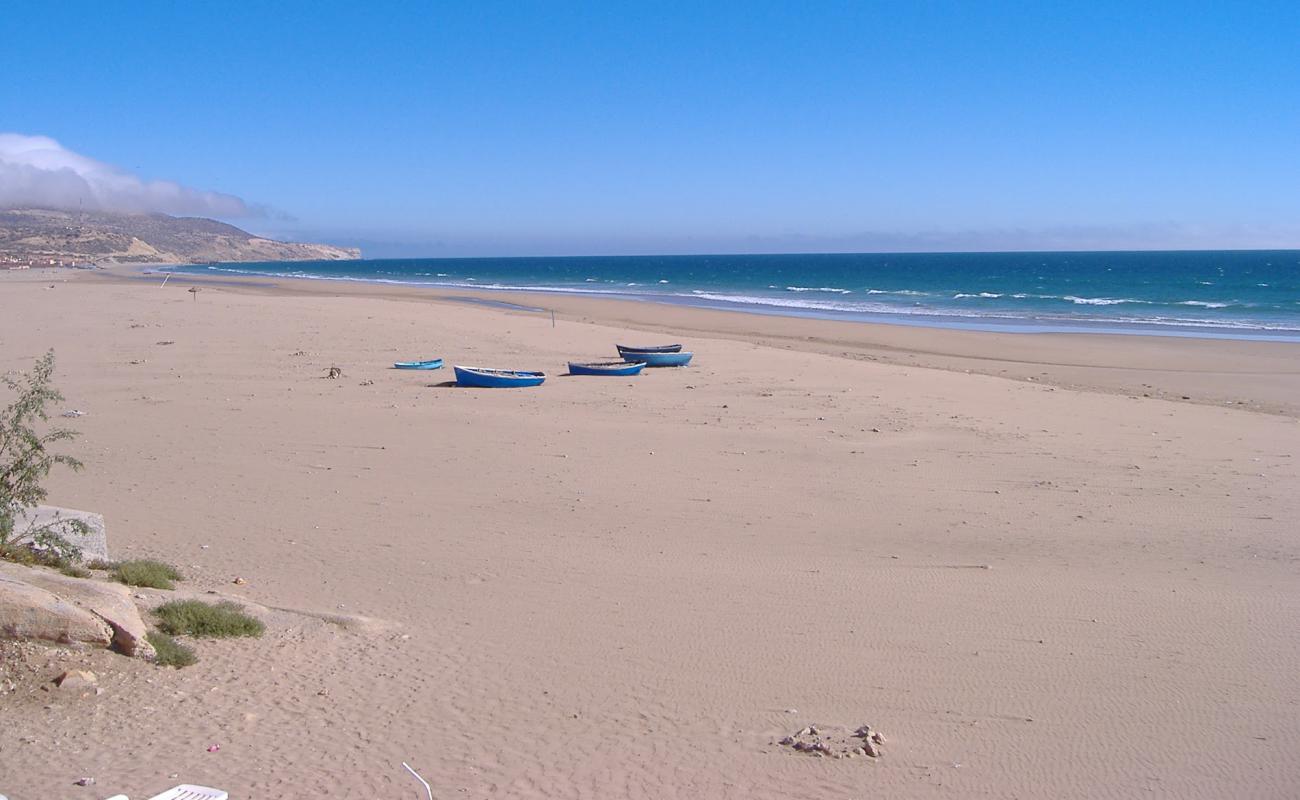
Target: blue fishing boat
656,359
497,378
654,348
606,368
433,363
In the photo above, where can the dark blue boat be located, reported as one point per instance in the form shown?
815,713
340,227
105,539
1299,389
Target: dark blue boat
654,348
606,368
497,378
433,363
657,359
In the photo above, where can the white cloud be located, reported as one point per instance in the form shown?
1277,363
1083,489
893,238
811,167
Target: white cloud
38,171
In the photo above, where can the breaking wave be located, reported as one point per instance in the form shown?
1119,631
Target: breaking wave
826,289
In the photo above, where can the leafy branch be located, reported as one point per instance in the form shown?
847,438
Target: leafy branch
26,461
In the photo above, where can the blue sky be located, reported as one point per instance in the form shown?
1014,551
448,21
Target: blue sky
548,128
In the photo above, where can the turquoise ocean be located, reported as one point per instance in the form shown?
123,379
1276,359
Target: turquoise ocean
1233,294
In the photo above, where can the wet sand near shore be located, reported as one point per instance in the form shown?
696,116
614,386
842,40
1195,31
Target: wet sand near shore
1262,376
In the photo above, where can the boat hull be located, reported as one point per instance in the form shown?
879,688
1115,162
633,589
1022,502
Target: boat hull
652,359
658,348
433,363
614,368
497,378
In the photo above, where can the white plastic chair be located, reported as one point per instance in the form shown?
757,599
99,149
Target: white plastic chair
183,792
187,791
190,792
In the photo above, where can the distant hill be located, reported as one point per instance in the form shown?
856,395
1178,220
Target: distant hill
41,235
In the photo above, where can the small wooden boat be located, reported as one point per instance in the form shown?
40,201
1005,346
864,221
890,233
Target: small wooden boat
497,378
433,363
606,368
654,348
656,359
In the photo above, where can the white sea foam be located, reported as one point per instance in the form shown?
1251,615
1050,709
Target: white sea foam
1097,301
809,304
803,304
985,295
827,289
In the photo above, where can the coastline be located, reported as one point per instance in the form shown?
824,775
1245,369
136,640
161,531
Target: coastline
1256,375
637,587
1210,294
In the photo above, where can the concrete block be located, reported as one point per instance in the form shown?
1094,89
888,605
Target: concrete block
93,544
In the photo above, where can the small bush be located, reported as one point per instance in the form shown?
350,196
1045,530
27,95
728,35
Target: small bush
196,618
26,459
75,571
19,554
171,653
26,439
29,555
148,573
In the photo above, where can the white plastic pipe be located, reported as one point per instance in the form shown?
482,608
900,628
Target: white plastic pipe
427,789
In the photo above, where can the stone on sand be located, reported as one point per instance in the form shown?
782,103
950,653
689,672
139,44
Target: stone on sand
111,602
77,679
108,603
835,741
30,612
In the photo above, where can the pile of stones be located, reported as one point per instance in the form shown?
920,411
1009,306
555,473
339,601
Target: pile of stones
835,742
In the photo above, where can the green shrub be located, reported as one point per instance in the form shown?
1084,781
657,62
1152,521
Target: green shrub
20,554
171,653
148,573
196,618
30,555
26,460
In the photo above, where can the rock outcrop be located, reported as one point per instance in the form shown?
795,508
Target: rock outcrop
108,605
110,602
30,612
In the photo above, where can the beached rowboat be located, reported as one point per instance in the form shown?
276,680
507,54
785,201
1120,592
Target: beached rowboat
654,348
656,359
433,363
606,368
497,378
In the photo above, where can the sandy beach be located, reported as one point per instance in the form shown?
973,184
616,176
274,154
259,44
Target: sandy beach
1044,566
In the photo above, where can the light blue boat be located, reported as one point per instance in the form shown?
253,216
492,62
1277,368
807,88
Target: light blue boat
433,363
657,359
497,378
606,368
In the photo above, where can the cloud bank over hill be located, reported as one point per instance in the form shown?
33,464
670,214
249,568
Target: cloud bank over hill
37,171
